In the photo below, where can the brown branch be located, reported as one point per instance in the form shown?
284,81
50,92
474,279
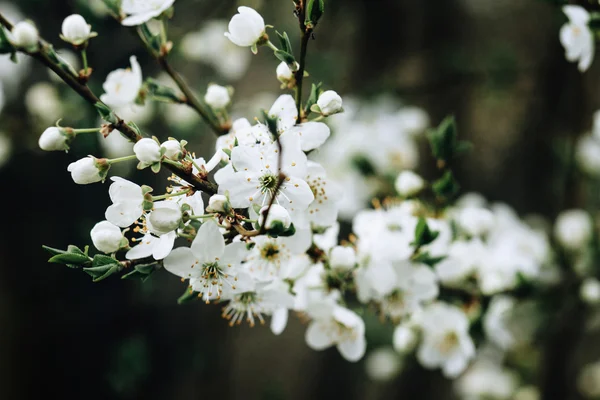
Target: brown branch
306,35
84,91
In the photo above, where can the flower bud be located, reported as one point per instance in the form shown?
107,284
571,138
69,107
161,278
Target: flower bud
589,291
76,30
284,73
277,214
218,203
173,150
330,103
106,237
217,96
342,257
408,184
165,218
476,221
25,34
88,170
147,151
54,139
573,229
405,339
247,28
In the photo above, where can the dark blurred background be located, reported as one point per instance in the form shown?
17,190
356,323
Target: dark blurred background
495,64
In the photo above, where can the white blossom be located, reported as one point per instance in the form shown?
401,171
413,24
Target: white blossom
158,247
76,30
446,342
173,149
164,218
496,321
342,258
217,97
141,11
587,154
106,237
405,338
127,199
487,380
577,38
85,171
247,28
218,203
25,34
147,151
330,103
277,214
383,364
123,86
573,229
409,183
212,267
284,73
589,291
339,326
475,221
54,139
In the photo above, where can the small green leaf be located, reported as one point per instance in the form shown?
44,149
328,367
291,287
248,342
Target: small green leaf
446,187
315,91
285,42
314,11
426,259
423,235
444,141
285,57
271,122
53,251
101,260
70,258
106,113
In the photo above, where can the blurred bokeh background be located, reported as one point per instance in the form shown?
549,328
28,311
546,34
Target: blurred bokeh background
497,65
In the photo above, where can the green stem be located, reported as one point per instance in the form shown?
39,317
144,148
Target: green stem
271,45
306,34
163,31
121,159
201,216
85,61
171,162
169,195
90,130
191,159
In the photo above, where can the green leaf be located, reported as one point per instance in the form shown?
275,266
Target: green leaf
446,187
364,165
286,45
70,258
6,46
444,142
426,259
424,235
162,93
53,251
101,260
314,11
100,273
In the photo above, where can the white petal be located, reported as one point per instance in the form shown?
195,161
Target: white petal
246,158
138,19
577,14
455,366
295,194
234,253
209,244
312,134
143,249
164,245
122,214
183,263
353,350
279,320
316,337
286,112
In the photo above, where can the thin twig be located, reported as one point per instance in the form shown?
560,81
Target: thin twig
306,35
84,91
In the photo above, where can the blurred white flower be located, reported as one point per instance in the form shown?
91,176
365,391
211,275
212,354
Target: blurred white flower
217,97
43,101
141,11
573,229
577,38
24,34
122,86
5,148
383,364
408,183
589,291
486,380
588,381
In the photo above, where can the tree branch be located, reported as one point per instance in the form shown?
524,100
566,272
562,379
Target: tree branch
306,35
84,91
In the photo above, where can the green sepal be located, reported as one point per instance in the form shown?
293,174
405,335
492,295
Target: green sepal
228,152
188,296
113,5
277,229
286,58
153,41
424,235
155,167
271,122
315,91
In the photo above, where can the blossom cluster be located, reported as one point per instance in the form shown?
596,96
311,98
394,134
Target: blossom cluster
260,227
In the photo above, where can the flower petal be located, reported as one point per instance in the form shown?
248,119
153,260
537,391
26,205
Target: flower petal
316,337
183,263
209,244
